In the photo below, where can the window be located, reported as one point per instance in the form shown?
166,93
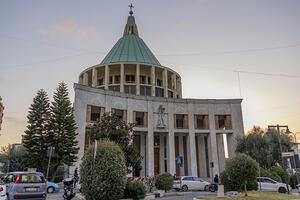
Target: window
145,90
130,89
266,180
149,80
31,178
93,113
142,79
159,82
181,121
170,94
114,88
201,122
223,122
100,81
130,78
117,79
140,119
189,178
120,114
159,92
110,80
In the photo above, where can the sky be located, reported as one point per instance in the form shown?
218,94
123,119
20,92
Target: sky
217,46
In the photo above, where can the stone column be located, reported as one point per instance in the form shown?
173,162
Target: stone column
237,126
80,107
221,152
174,82
122,78
213,140
171,140
150,142
138,79
143,154
192,161
106,80
153,80
165,82
85,78
94,77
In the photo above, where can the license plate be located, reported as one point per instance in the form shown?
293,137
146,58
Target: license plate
31,189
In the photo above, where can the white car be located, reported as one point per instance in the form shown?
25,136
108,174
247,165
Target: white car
270,185
186,183
2,190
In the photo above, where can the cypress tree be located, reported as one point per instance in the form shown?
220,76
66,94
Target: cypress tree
63,128
36,136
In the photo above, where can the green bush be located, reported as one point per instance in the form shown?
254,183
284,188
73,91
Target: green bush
293,181
268,173
277,170
135,190
240,173
164,182
105,177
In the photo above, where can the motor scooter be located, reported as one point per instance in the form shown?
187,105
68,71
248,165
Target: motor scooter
68,189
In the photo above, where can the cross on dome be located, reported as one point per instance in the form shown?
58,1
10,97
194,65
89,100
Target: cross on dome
131,6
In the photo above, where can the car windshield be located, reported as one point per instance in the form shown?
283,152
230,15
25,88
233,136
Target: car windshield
31,178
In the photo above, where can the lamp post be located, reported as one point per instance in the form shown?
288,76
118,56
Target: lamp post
280,149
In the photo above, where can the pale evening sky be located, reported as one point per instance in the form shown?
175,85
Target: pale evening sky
45,42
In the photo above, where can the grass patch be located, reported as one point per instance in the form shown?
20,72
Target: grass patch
257,196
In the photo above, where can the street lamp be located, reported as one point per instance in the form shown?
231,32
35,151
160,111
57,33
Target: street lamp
280,149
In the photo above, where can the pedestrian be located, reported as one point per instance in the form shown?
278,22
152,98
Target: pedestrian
75,176
216,179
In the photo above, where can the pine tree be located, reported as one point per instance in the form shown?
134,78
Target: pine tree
63,128
36,136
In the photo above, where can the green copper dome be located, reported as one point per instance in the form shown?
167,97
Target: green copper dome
130,48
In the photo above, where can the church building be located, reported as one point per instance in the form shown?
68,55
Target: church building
182,136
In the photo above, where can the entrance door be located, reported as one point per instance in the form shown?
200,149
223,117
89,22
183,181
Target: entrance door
156,154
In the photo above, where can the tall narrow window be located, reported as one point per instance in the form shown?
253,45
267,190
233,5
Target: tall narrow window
130,78
201,122
93,113
142,79
181,121
223,122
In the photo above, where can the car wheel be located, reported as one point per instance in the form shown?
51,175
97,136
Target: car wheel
50,189
282,190
184,188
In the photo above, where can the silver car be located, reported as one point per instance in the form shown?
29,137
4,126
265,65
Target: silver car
25,185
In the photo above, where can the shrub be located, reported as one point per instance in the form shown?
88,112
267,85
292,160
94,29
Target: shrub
268,173
277,170
293,181
135,190
240,173
105,177
164,182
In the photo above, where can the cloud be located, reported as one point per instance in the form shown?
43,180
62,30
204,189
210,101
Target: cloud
68,27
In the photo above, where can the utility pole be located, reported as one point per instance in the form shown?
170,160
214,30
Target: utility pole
50,154
280,149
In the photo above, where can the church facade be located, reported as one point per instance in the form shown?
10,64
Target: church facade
173,134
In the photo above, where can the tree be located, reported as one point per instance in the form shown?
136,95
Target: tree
36,138
263,146
63,130
13,158
115,129
105,176
240,173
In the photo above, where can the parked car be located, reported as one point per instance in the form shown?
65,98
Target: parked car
270,185
52,187
2,190
25,185
186,183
